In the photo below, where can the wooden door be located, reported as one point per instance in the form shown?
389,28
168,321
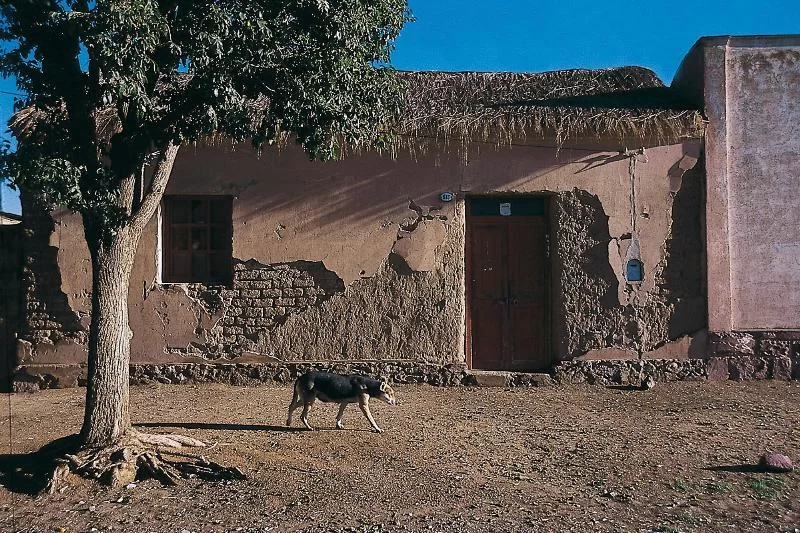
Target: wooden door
507,284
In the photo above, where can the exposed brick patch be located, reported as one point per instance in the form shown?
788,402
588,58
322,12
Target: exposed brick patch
48,315
260,298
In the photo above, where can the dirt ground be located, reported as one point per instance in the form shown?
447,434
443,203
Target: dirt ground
451,459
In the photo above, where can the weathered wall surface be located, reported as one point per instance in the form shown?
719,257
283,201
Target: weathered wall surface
751,90
590,316
10,297
764,173
360,260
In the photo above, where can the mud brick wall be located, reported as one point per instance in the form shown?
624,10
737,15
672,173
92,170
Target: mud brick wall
48,316
262,297
587,311
10,297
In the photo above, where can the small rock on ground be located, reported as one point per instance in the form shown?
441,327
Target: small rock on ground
775,462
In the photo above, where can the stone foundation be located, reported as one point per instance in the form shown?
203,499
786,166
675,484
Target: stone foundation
600,372
742,355
630,372
249,374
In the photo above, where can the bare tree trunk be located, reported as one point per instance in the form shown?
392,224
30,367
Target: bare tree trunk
107,418
109,449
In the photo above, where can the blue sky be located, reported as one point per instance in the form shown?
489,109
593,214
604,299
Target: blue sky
533,36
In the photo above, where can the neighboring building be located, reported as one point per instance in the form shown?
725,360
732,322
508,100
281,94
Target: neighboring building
749,88
9,218
11,314
548,222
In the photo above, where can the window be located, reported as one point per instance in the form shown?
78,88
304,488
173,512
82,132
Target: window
197,233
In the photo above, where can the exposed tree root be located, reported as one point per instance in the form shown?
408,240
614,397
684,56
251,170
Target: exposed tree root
137,456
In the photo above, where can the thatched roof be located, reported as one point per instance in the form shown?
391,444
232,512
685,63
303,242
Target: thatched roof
627,103
507,107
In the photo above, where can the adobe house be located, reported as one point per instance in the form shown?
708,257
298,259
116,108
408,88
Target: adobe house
749,88
550,223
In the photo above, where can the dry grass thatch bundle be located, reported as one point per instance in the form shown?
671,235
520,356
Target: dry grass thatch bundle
506,107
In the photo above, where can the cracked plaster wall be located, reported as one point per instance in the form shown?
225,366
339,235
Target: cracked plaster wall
598,311
378,227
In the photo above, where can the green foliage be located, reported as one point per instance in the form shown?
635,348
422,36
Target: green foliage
690,519
110,82
718,487
767,488
679,485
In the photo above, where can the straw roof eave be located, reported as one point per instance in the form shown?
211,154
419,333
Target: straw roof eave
508,108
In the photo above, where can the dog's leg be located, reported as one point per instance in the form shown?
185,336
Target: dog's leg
306,410
339,424
293,405
363,403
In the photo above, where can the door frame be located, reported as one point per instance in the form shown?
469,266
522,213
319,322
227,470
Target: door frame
548,342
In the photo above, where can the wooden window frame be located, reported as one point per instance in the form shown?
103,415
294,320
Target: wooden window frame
219,222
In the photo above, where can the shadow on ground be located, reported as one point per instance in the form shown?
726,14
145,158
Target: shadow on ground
29,473
237,427
218,427
626,388
738,469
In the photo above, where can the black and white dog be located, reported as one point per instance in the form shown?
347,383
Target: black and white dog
339,389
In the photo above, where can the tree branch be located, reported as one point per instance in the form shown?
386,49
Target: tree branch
155,190
127,192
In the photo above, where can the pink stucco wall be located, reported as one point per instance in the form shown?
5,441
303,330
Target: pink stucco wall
751,92
348,215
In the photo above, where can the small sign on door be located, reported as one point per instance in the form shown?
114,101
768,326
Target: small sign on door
505,209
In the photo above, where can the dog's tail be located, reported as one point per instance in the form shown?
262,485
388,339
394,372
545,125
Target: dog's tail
294,404
296,394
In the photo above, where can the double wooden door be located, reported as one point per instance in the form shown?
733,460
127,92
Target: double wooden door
508,282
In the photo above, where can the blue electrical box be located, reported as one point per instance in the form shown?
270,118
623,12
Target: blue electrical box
634,271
